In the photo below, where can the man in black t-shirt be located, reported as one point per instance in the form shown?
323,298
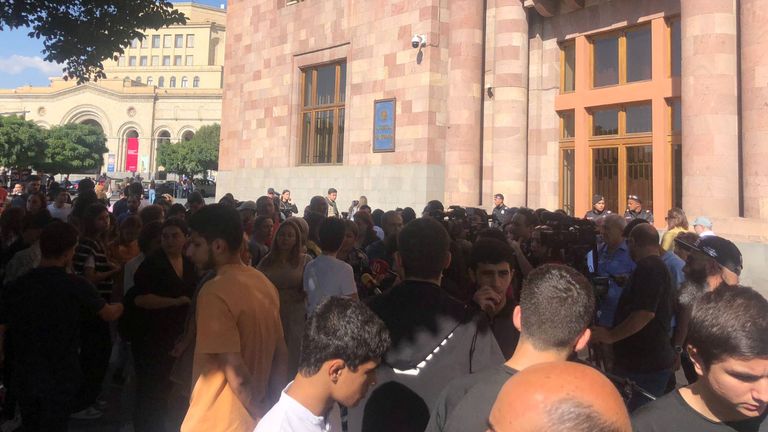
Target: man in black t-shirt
434,336
41,314
641,333
728,344
556,306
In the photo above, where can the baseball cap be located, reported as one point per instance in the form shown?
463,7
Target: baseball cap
271,191
703,221
723,251
635,198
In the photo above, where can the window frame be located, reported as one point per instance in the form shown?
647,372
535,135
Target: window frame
312,109
156,41
622,134
143,61
196,82
621,35
563,46
178,41
190,40
167,41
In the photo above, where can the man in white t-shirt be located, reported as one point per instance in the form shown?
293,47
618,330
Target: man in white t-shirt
59,208
326,275
342,346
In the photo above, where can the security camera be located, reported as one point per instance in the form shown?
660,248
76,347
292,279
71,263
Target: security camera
419,41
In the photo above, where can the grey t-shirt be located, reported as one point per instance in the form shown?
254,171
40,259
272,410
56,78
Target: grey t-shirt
466,402
672,413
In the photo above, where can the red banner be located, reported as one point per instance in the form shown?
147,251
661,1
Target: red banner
132,155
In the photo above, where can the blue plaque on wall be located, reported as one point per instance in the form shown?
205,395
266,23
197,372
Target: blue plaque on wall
384,125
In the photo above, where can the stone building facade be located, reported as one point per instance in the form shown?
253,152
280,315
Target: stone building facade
545,101
163,88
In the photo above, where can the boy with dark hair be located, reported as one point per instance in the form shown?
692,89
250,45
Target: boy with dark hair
491,270
434,336
728,344
342,346
240,353
557,305
326,275
42,312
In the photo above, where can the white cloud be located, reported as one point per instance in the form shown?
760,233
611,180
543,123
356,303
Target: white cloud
16,64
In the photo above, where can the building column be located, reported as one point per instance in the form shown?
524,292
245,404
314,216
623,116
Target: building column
709,108
509,83
462,143
754,94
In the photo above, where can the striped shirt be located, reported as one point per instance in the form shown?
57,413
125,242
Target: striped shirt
91,253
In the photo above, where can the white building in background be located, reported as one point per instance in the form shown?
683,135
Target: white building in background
162,88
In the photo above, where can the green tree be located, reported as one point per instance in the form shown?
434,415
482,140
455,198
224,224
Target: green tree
73,148
169,157
22,142
81,34
196,156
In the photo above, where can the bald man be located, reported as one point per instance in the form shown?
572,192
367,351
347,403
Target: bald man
559,396
557,305
642,325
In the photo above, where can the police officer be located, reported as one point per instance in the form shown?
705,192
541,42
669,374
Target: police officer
500,211
598,208
635,210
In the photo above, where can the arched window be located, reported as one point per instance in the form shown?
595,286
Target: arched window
172,82
150,81
184,82
196,82
187,135
163,137
138,80
161,82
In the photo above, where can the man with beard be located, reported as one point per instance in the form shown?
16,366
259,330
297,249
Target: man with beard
240,353
712,262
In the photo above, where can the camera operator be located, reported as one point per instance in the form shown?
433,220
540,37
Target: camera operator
640,337
614,262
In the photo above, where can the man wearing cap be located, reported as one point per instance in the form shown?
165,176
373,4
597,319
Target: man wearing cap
703,226
635,210
500,210
333,211
713,262
598,208
272,193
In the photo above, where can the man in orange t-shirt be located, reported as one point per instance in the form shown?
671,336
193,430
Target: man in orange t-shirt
240,355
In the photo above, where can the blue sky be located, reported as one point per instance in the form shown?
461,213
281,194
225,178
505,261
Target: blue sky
21,57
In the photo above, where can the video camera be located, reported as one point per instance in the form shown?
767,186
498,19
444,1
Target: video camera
575,238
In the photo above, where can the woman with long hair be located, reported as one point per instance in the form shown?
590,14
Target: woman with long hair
36,202
677,222
367,234
284,266
164,284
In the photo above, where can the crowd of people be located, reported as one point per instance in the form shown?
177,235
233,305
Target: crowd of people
245,315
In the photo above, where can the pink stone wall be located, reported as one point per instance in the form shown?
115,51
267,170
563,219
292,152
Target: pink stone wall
709,111
754,106
269,42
